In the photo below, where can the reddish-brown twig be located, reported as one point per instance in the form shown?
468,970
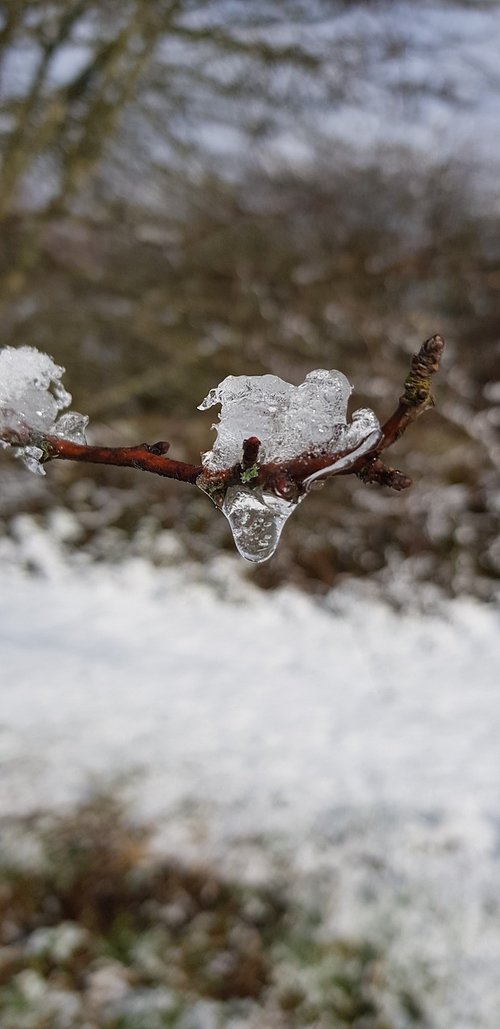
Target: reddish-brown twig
416,399
287,478
150,457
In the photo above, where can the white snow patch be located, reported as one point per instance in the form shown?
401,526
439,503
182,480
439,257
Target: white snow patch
364,743
158,668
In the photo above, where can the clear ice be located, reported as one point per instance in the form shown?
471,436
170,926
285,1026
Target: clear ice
289,421
31,399
256,519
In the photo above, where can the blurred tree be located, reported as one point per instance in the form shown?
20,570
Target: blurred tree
190,189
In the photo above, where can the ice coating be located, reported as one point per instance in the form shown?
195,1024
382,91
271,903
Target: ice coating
256,519
31,399
289,421
362,436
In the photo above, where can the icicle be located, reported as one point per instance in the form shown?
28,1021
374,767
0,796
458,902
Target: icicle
256,519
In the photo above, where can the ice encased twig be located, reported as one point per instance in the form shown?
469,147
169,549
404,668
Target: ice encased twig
31,399
289,421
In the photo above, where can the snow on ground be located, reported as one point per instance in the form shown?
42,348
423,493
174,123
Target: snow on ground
268,700
360,746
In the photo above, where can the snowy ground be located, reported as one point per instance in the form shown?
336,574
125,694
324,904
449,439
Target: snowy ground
355,746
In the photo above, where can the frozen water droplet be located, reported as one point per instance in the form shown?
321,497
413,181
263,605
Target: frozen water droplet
72,426
364,423
32,458
256,520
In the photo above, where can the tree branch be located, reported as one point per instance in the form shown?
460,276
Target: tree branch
287,478
416,399
417,396
150,457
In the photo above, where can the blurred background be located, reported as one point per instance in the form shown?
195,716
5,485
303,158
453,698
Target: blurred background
190,190
262,798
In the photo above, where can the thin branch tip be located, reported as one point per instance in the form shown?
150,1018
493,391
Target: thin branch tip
425,363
